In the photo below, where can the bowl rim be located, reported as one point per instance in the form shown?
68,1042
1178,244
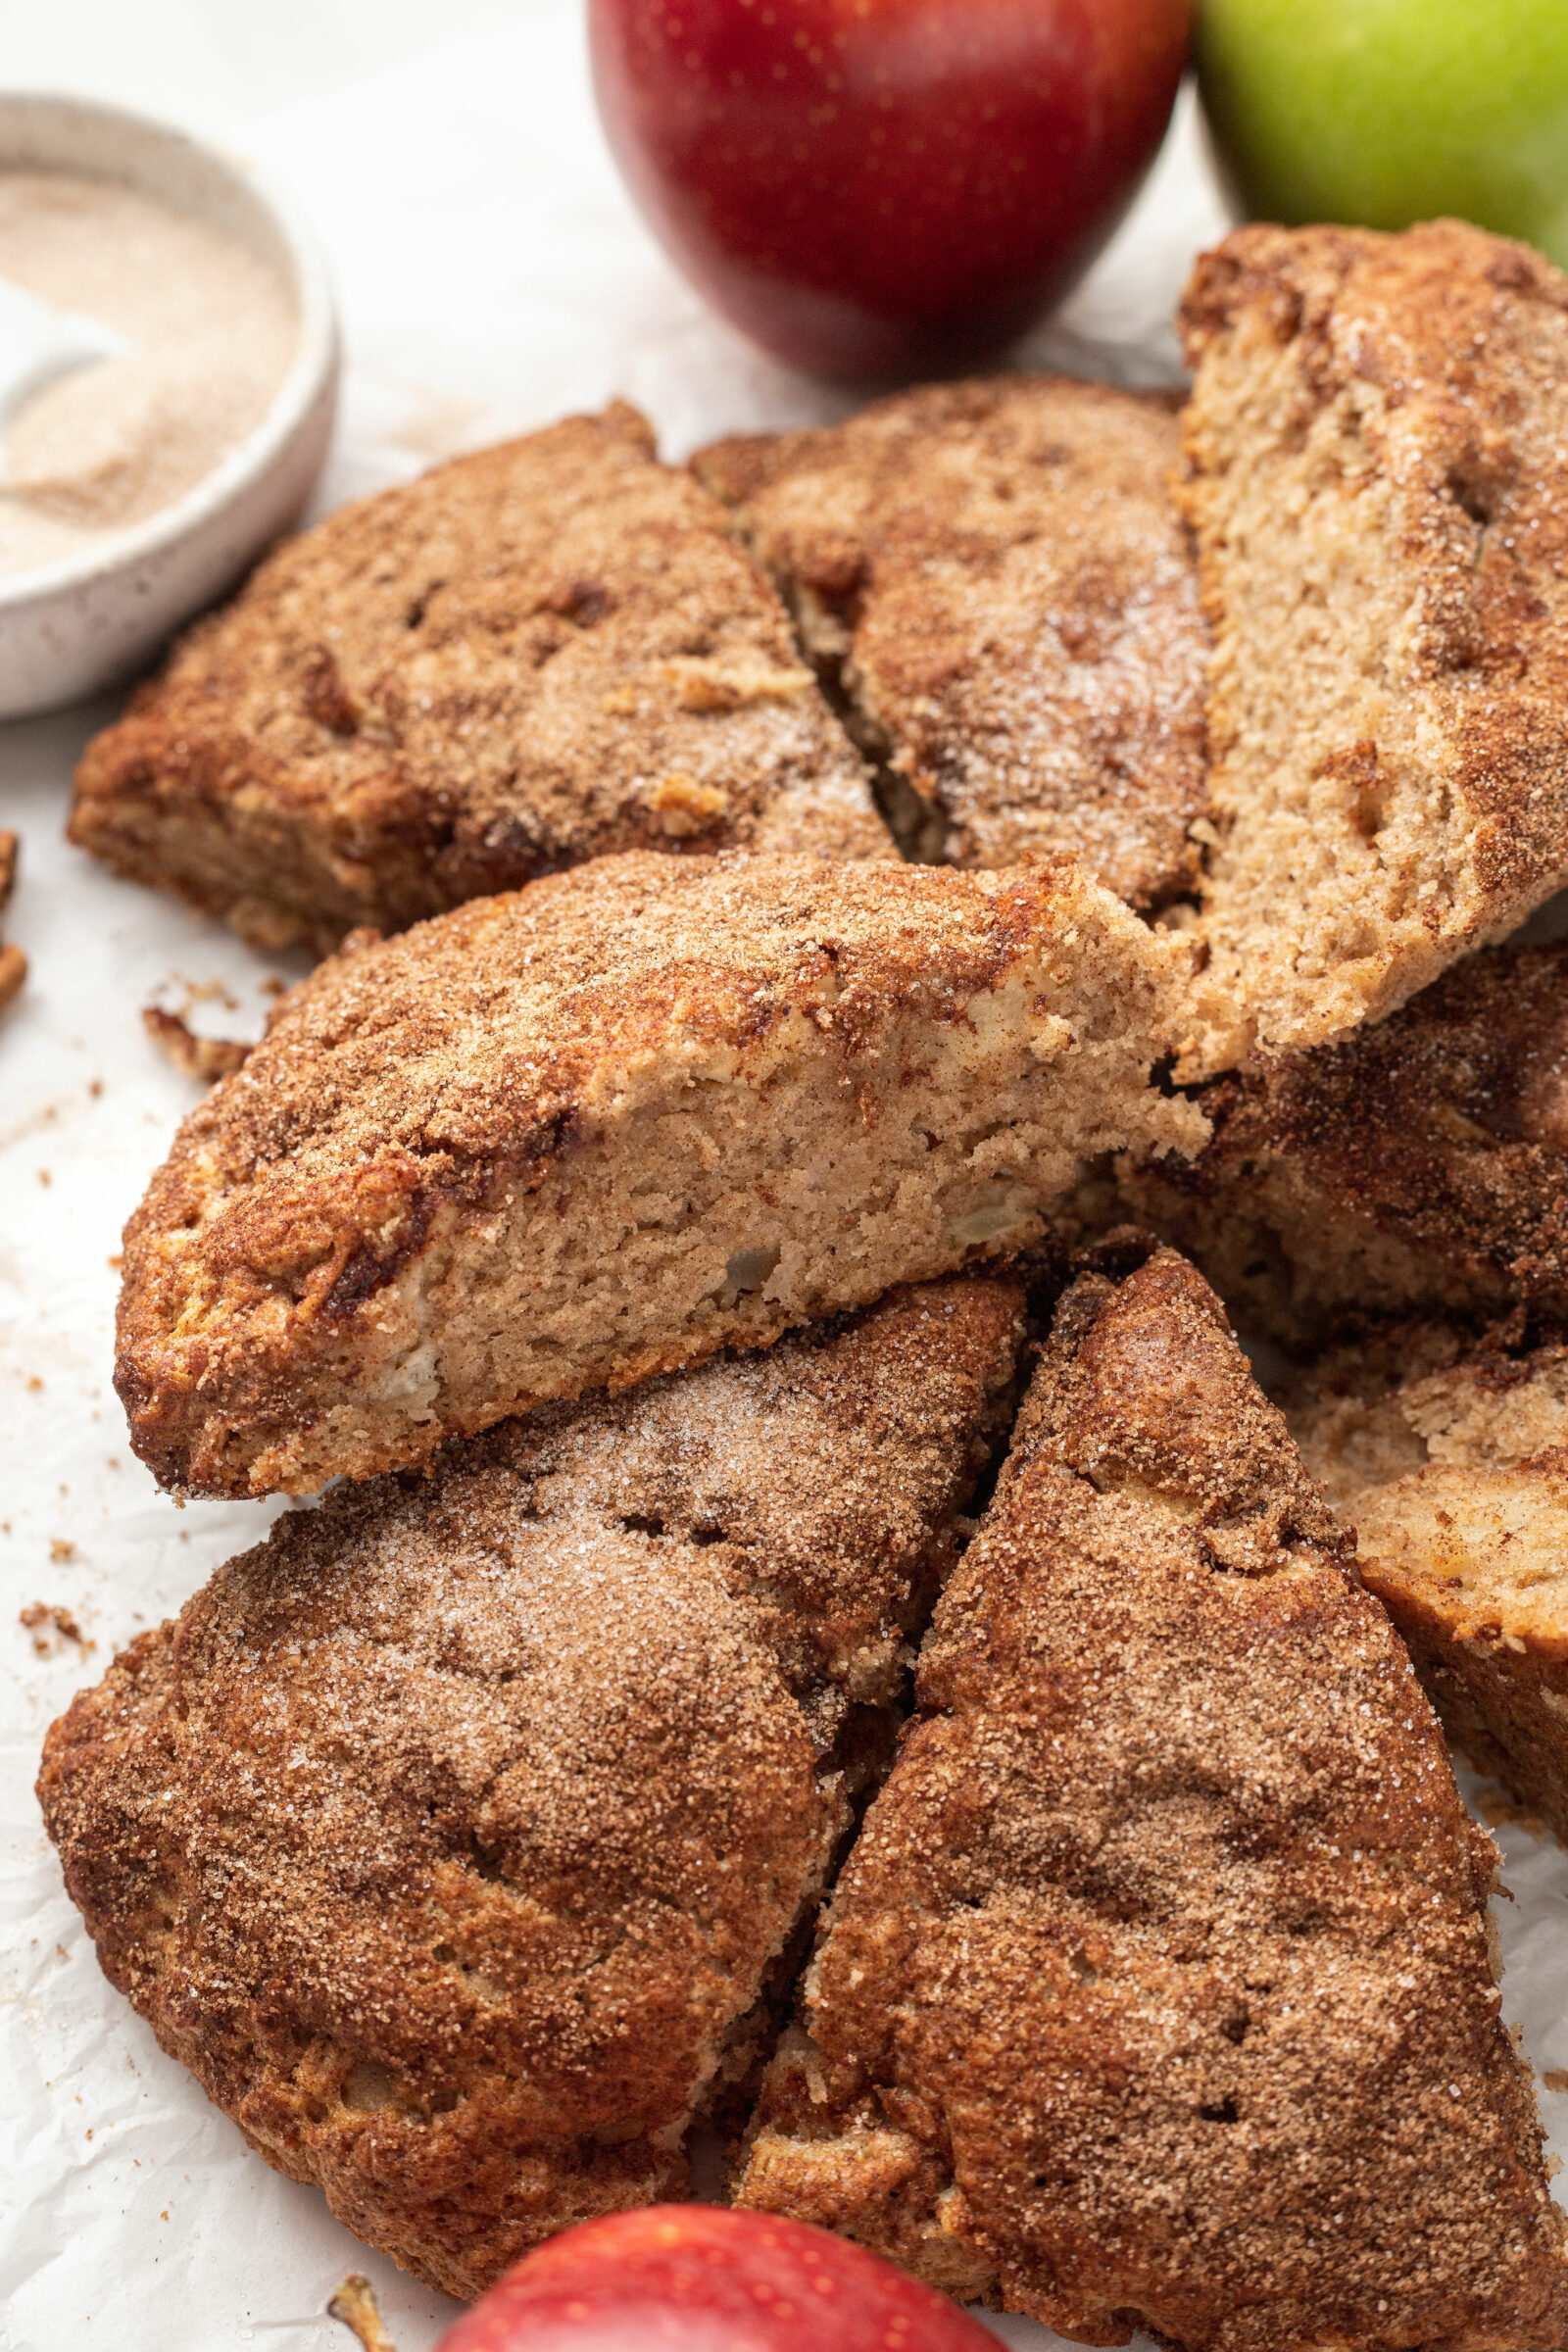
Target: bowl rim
312,367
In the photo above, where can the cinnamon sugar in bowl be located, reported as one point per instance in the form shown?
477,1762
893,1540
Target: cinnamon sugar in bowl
139,490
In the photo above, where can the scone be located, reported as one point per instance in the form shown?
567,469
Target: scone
995,584
1420,1165
1154,1994
1377,474
530,656
603,1126
460,1837
1453,1463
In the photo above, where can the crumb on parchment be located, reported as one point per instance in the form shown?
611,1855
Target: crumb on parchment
52,1627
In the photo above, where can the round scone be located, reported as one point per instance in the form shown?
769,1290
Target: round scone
460,1837
603,1126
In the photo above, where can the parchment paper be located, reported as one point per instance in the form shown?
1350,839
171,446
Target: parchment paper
492,275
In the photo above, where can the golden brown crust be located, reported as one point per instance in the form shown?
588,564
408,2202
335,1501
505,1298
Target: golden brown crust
994,580
1453,1464
1377,450
530,656
454,1836
598,1128
1420,1165
1162,1954
12,963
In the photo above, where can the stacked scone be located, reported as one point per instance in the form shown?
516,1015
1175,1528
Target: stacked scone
674,1255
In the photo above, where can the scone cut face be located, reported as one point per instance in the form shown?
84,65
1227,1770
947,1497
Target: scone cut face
1154,1994
530,656
997,591
1377,476
599,1128
1453,1461
1420,1165
463,1837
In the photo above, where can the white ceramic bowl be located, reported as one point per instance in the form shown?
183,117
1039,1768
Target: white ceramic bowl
69,627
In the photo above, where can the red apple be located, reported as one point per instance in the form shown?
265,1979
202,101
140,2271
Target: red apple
875,188
703,2278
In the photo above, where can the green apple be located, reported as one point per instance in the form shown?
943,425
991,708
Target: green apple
1383,112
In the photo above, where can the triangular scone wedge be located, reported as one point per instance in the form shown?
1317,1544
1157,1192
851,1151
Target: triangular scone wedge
1155,1992
460,1837
997,589
535,654
1376,448
1421,1164
1452,1462
604,1126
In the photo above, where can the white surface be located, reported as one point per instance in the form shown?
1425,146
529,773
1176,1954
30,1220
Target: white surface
491,274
